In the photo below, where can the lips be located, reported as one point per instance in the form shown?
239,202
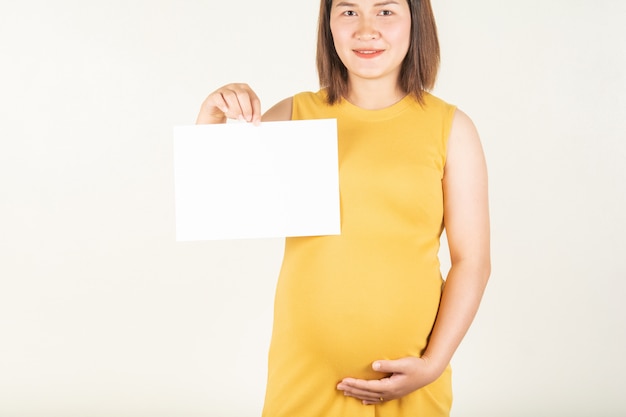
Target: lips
368,53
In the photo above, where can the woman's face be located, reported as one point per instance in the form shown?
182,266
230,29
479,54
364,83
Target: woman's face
371,37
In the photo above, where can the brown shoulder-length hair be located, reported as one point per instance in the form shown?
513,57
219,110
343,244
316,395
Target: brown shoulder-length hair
419,68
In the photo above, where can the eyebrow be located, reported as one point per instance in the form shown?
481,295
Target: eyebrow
348,4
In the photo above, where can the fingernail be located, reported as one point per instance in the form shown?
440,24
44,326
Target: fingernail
376,366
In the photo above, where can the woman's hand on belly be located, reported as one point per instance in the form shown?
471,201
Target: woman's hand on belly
404,376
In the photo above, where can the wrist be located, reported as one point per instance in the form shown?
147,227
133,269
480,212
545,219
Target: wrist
209,114
436,364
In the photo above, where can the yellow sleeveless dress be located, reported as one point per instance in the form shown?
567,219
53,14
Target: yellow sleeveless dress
372,292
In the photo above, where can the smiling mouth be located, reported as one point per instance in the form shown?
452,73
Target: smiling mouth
368,53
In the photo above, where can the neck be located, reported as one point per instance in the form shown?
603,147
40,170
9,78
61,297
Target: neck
374,94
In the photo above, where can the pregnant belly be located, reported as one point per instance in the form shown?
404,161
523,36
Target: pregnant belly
348,305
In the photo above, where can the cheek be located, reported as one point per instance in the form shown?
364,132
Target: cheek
401,35
341,40
337,32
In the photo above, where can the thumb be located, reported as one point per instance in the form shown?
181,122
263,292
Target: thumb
390,367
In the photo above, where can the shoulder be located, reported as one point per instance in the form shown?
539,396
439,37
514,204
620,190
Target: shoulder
281,111
464,146
318,98
285,109
432,100
463,128
310,105
439,113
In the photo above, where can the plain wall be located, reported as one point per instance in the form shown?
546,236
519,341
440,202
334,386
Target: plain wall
102,313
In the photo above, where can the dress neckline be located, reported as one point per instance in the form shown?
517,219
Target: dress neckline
378,114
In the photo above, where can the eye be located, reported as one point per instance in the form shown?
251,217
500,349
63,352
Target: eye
349,13
385,13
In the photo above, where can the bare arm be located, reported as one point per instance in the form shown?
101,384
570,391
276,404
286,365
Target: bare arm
281,111
466,218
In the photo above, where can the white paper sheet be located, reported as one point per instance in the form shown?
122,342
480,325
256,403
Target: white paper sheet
237,180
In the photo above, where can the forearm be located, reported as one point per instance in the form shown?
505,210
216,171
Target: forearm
461,297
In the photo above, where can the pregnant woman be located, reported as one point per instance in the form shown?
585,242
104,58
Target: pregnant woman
364,324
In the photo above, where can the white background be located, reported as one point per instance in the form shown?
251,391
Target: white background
102,313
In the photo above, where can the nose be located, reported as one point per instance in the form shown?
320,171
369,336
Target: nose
367,36
366,31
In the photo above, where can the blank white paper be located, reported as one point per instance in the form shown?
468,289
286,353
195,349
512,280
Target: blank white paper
238,181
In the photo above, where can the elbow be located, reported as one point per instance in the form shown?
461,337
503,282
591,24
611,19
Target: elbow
485,266
479,268
482,265
481,271
487,271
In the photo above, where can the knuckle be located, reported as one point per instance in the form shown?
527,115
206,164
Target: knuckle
228,95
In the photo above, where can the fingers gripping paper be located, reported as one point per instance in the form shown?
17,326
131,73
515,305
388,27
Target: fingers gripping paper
237,180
